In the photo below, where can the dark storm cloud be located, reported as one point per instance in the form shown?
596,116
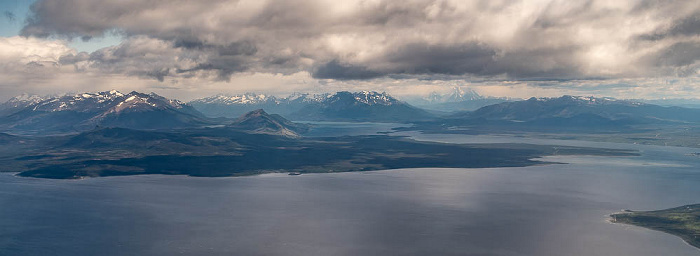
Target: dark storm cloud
234,48
679,59
553,63
686,26
679,54
415,58
336,70
359,40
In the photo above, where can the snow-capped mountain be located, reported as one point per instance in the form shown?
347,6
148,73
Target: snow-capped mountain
360,98
298,97
459,99
349,106
85,111
462,94
19,102
359,106
457,94
233,106
114,101
241,99
23,100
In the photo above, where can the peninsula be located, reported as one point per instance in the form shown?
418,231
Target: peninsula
683,221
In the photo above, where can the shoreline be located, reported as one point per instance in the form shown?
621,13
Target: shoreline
682,222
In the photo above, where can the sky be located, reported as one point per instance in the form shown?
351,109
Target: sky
190,49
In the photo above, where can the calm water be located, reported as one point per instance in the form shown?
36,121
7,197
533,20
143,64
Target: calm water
539,210
328,129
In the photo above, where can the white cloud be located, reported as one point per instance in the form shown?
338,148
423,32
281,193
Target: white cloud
17,52
583,46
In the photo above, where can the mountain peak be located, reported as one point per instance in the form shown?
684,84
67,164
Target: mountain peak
259,121
20,101
247,98
26,97
362,97
115,92
255,113
462,94
457,94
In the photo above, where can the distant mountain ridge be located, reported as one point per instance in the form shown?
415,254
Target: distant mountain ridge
459,99
458,94
84,111
340,106
365,106
19,102
233,106
684,103
577,111
247,98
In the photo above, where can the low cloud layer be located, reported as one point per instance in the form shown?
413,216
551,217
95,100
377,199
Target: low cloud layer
362,40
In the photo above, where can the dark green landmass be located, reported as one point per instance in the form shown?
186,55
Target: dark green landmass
223,151
683,221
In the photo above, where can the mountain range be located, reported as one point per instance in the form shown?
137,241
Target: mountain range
685,103
29,114
19,102
233,106
363,106
85,111
576,112
459,99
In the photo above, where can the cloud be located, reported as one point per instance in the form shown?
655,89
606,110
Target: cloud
18,53
420,58
368,39
685,25
42,66
337,70
364,43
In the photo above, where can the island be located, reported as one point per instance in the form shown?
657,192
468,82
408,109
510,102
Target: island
683,221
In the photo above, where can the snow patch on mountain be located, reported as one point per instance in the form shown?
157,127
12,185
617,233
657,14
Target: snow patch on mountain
113,101
22,100
588,100
458,94
247,98
374,98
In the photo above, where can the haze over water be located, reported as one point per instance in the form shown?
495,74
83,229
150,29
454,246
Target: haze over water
556,209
